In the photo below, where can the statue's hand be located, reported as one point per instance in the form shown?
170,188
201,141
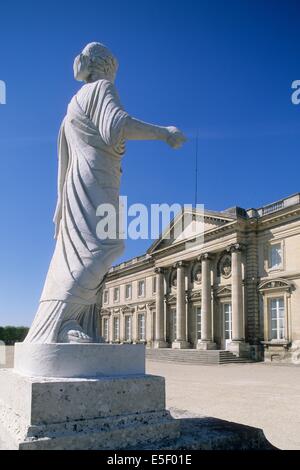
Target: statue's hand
174,137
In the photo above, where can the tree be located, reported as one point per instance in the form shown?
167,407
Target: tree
13,334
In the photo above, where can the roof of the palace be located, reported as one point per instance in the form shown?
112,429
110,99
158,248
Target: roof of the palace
221,218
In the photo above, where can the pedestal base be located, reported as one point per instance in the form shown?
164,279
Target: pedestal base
79,360
81,396
206,345
159,344
179,344
239,348
66,414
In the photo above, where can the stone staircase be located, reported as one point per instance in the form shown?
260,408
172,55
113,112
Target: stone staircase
194,356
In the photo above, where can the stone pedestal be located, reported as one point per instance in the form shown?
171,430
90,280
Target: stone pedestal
160,344
126,409
239,348
206,345
177,344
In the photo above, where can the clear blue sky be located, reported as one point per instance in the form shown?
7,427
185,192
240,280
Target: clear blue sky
224,67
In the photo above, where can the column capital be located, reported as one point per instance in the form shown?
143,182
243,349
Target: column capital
205,256
159,270
236,247
180,264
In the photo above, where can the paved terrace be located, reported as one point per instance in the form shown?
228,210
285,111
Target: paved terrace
265,396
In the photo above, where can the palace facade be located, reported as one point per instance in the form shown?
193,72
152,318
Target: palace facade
238,290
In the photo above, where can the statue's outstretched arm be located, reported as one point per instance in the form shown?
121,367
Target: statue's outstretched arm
139,130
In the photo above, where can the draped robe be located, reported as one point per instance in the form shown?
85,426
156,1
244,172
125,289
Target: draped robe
90,149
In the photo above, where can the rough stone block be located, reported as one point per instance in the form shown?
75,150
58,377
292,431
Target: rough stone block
100,413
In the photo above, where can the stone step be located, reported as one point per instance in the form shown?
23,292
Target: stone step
188,356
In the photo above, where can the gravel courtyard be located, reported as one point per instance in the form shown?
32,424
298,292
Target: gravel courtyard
266,396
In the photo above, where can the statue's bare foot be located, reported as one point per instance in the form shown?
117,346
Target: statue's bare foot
78,336
71,332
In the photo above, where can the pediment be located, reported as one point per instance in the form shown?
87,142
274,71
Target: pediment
196,295
171,299
105,311
188,225
276,284
224,291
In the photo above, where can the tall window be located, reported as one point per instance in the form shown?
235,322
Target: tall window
198,321
277,318
141,327
116,294
227,321
275,256
141,288
116,328
106,329
105,296
128,291
128,328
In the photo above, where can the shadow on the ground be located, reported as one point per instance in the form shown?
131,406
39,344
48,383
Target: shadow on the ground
214,434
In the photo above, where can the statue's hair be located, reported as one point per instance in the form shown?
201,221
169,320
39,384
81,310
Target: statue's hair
94,61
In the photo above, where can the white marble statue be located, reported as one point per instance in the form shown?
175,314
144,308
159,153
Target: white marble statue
91,145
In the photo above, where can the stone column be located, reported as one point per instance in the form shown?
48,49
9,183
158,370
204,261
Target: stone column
237,345
111,328
148,326
122,326
237,294
134,327
159,312
206,341
181,337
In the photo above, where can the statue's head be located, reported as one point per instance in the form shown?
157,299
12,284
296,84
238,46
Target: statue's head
94,63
